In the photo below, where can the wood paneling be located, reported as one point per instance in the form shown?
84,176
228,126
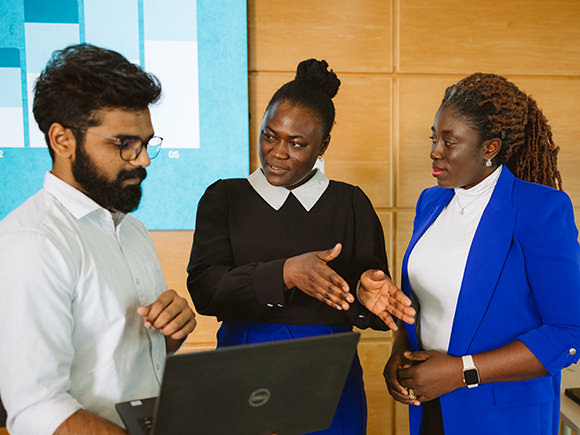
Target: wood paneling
387,223
351,35
510,37
373,355
173,248
403,232
418,99
560,102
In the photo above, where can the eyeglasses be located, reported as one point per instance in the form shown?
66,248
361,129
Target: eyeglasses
131,146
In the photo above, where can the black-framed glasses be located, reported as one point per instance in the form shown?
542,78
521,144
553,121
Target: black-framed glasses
131,146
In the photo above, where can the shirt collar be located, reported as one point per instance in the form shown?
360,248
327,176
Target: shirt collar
307,194
75,201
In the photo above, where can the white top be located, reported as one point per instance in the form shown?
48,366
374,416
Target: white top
307,194
70,285
437,262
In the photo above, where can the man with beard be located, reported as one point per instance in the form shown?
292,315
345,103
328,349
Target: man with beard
86,319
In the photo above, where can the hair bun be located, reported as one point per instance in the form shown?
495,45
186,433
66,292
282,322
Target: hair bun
316,74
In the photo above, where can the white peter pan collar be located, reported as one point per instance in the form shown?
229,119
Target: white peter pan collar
307,194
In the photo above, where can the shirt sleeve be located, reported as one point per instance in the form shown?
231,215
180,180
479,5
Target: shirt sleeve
552,256
370,253
216,284
36,324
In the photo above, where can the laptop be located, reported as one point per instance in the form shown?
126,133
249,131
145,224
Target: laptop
282,387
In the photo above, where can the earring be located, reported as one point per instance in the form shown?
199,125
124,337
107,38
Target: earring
488,163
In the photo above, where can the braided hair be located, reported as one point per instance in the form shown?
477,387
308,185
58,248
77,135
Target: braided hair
313,88
496,108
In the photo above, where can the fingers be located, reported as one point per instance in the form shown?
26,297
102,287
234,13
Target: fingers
372,279
398,391
330,254
417,356
170,314
310,273
330,290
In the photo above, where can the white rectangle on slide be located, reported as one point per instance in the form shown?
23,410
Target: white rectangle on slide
11,126
176,116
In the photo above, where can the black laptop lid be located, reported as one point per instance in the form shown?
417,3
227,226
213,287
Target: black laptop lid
284,387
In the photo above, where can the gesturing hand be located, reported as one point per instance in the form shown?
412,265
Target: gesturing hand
383,298
170,314
310,274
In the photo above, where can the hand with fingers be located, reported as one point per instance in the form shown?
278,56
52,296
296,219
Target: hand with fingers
396,362
172,316
310,274
431,375
383,298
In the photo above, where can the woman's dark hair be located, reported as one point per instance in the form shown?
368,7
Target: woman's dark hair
496,108
313,88
82,79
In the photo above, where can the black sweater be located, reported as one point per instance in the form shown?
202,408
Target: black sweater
240,244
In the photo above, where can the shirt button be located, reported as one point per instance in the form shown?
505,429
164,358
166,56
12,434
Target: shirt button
572,351
280,305
137,281
361,316
269,305
157,366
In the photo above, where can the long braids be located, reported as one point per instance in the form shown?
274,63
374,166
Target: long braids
497,108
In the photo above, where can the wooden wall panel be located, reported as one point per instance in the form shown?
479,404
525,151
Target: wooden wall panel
387,222
418,99
173,248
403,232
373,355
511,37
560,102
351,35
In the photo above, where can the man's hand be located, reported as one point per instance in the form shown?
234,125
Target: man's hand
310,274
383,298
171,315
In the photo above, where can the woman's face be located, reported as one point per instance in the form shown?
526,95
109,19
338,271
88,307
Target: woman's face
290,142
457,151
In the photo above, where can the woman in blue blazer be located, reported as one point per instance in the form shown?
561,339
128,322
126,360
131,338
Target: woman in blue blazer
493,268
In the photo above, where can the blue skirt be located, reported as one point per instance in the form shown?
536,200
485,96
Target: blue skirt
350,417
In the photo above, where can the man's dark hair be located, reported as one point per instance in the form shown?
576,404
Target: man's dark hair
82,79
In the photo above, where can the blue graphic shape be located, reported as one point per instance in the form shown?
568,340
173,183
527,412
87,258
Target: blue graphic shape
117,31
9,57
11,95
53,11
43,38
162,23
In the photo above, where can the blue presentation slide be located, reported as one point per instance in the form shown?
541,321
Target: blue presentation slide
197,48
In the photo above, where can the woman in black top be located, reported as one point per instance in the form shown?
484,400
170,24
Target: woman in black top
278,255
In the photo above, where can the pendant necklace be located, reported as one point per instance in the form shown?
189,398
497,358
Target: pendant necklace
463,207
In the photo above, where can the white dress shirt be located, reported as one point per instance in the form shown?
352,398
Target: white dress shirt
437,262
72,276
307,194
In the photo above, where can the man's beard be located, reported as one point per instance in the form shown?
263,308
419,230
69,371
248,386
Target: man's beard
111,195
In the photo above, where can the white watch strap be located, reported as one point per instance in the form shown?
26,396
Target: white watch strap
468,362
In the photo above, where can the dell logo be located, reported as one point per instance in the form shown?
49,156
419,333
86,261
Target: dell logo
259,397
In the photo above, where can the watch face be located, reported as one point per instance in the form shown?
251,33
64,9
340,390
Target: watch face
471,376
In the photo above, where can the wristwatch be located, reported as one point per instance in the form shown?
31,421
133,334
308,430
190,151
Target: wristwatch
470,372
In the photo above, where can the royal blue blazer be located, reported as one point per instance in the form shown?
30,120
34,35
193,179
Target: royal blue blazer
521,282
